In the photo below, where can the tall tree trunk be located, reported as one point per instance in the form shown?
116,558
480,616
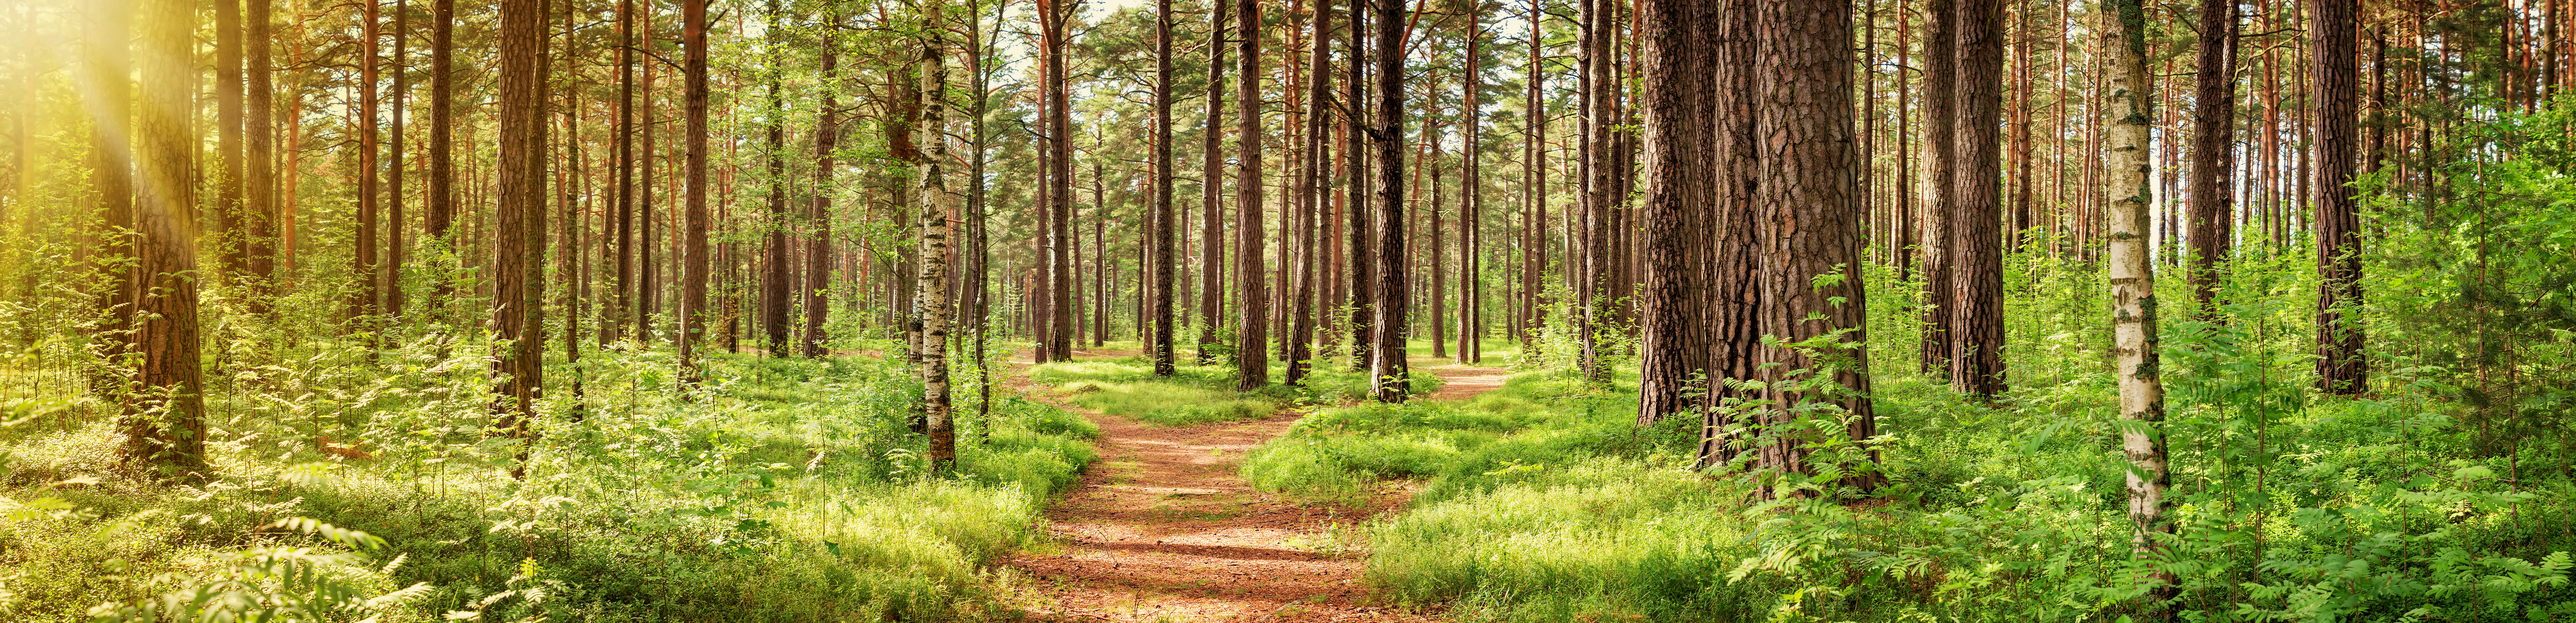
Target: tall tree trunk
1810,215
1940,146
1680,106
391,268
1976,231
978,251
2213,153
931,305
1471,282
1533,186
1062,241
615,320
1309,202
1251,353
648,293
1362,227
363,307
1160,285
1593,267
520,223
695,265
818,215
1388,370
260,236
1734,304
775,277
1212,163
2341,366
165,427
440,213
228,137
2126,194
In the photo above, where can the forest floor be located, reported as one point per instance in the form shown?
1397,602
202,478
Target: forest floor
1162,529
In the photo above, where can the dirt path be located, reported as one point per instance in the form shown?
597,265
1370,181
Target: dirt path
1161,529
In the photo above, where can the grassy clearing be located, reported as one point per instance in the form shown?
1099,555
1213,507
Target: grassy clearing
1543,501
1125,386
791,491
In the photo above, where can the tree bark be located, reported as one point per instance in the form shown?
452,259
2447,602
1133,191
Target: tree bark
260,237
1735,295
1680,106
775,281
2341,366
1251,353
1940,141
1212,163
1062,241
1593,267
1362,226
818,215
363,304
1319,92
440,213
1471,283
931,303
2213,154
1534,186
165,427
2127,193
1388,370
391,268
1809,213
519,225
1975,244
695,265
228,168
1160,286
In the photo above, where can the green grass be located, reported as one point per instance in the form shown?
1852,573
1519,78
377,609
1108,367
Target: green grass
792,492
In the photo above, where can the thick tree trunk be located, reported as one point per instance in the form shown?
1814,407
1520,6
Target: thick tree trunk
1809,215
2213,154
1252,319
260,235
1319,92
2341,366
775,281
1211,170
520,216
1940,157
228,163
1160,284
1735,295
1593,270
1471,281
818,215
1062,241
1387,366
440,213
1680,106
695,265
2126,194
1533,189
165,427
1976,231
1362,226
930,306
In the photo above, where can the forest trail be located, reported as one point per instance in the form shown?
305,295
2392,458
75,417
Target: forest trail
1161,529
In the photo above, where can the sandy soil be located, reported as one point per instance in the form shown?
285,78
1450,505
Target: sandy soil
1161,529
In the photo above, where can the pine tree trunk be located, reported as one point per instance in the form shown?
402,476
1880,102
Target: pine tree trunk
1362,229
2213,154
2341,365
818,214
1471,286
391,268
1940,147
439,216
260,161
1976,231
1593,266
227,173
165,426
1734,302
1251,351
362,307
2126,194
696,265
1809,211
1212,163
1533,190
1160,285
1061,239
1679,103
1387,366
520,212
1301,332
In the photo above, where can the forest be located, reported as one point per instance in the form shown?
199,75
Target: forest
530,311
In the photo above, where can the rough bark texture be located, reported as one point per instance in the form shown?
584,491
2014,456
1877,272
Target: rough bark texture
390,270
165,428
931,294
1809,211
1387,363
1593,267
2126,194
1940,118
1061,240
519,223
2213,153
1211,172
695,264
1735,288
776,279
1362,226
1252,319
261,175
818,214
1680,106
440,212
1158,344
1319,93
1976,230
2341,366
